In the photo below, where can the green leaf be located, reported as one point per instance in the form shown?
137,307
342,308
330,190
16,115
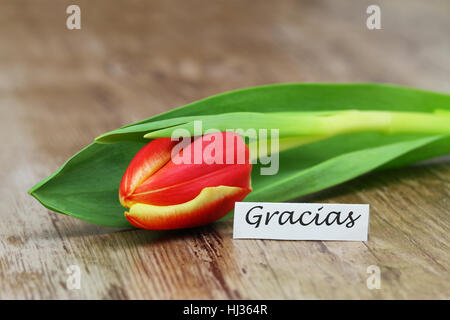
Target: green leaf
320,172
291,98
86,186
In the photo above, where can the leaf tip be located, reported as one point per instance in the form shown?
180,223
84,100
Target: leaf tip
33,189
148,135
102,139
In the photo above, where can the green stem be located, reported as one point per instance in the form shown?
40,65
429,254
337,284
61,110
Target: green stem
307,127
282,145
384,122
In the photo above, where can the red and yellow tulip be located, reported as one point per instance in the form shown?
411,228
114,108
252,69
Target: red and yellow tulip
164,191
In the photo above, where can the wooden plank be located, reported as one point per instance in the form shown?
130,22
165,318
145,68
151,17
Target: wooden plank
134,59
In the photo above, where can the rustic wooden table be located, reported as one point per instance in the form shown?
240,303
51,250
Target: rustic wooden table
132,59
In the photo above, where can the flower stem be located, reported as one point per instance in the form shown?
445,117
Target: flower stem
384,122
303,128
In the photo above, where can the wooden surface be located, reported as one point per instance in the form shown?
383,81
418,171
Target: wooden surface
133,59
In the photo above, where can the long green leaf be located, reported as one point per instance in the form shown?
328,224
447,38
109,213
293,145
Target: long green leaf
324,173
87,186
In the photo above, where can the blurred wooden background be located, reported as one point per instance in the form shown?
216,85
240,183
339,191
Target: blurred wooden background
132,59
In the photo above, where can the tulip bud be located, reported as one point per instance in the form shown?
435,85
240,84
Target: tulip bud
166,189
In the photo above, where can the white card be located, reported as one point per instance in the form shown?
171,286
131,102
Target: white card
301,221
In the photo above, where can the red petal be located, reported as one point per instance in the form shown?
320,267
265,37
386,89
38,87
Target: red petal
146,162
211,204
177,183
235,176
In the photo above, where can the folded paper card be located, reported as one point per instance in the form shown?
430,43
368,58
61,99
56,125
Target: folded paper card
301,221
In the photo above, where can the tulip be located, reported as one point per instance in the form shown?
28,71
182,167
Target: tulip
165,189
370,126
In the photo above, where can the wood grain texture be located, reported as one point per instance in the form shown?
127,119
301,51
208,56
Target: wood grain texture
132,59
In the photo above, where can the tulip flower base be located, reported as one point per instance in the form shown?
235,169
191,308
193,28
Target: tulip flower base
328,133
